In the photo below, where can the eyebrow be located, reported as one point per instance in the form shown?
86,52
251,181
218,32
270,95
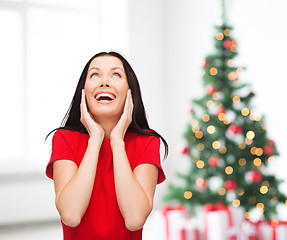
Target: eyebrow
114,68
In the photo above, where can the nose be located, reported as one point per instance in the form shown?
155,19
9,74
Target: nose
106,85
105,82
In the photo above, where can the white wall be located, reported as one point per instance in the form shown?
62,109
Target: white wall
169,40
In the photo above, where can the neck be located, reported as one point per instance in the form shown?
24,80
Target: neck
108,124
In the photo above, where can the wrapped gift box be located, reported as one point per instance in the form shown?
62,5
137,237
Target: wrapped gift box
274,230
262,230
214,222
222,222
189,230
251,230
171,223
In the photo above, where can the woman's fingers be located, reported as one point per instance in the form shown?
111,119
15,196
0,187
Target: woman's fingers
87,119
120,129
85,115
84,108
131,101
83,100
81,105
126,103
128,109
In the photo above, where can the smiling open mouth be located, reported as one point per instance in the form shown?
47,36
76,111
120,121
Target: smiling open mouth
105,97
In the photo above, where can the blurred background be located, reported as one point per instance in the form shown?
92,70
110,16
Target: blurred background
45,44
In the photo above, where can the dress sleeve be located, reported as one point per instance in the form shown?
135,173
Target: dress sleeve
151,154
60,150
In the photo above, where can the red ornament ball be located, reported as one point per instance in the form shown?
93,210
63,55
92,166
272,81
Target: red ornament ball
205,64
230,185
213,161
254,176
201,183
271,142
220,110
268,150
210,89
235,129
183,150
189,109
227,44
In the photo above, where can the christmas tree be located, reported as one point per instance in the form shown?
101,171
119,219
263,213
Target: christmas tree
227,140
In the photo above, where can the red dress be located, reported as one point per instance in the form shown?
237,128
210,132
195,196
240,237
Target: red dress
103,220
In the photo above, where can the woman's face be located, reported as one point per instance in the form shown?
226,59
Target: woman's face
106,87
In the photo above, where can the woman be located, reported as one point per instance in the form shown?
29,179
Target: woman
105,159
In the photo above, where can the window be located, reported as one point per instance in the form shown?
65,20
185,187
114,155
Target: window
44,46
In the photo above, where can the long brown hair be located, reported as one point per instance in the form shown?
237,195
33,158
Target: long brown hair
139,122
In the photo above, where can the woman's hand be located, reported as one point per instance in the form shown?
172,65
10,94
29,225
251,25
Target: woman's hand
120,129
94,129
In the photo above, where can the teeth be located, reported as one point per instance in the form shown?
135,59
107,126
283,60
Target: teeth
98,96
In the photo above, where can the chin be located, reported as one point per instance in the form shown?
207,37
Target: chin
112,110
106,114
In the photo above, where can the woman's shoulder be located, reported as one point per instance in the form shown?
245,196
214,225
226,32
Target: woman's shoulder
68,134
142,138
